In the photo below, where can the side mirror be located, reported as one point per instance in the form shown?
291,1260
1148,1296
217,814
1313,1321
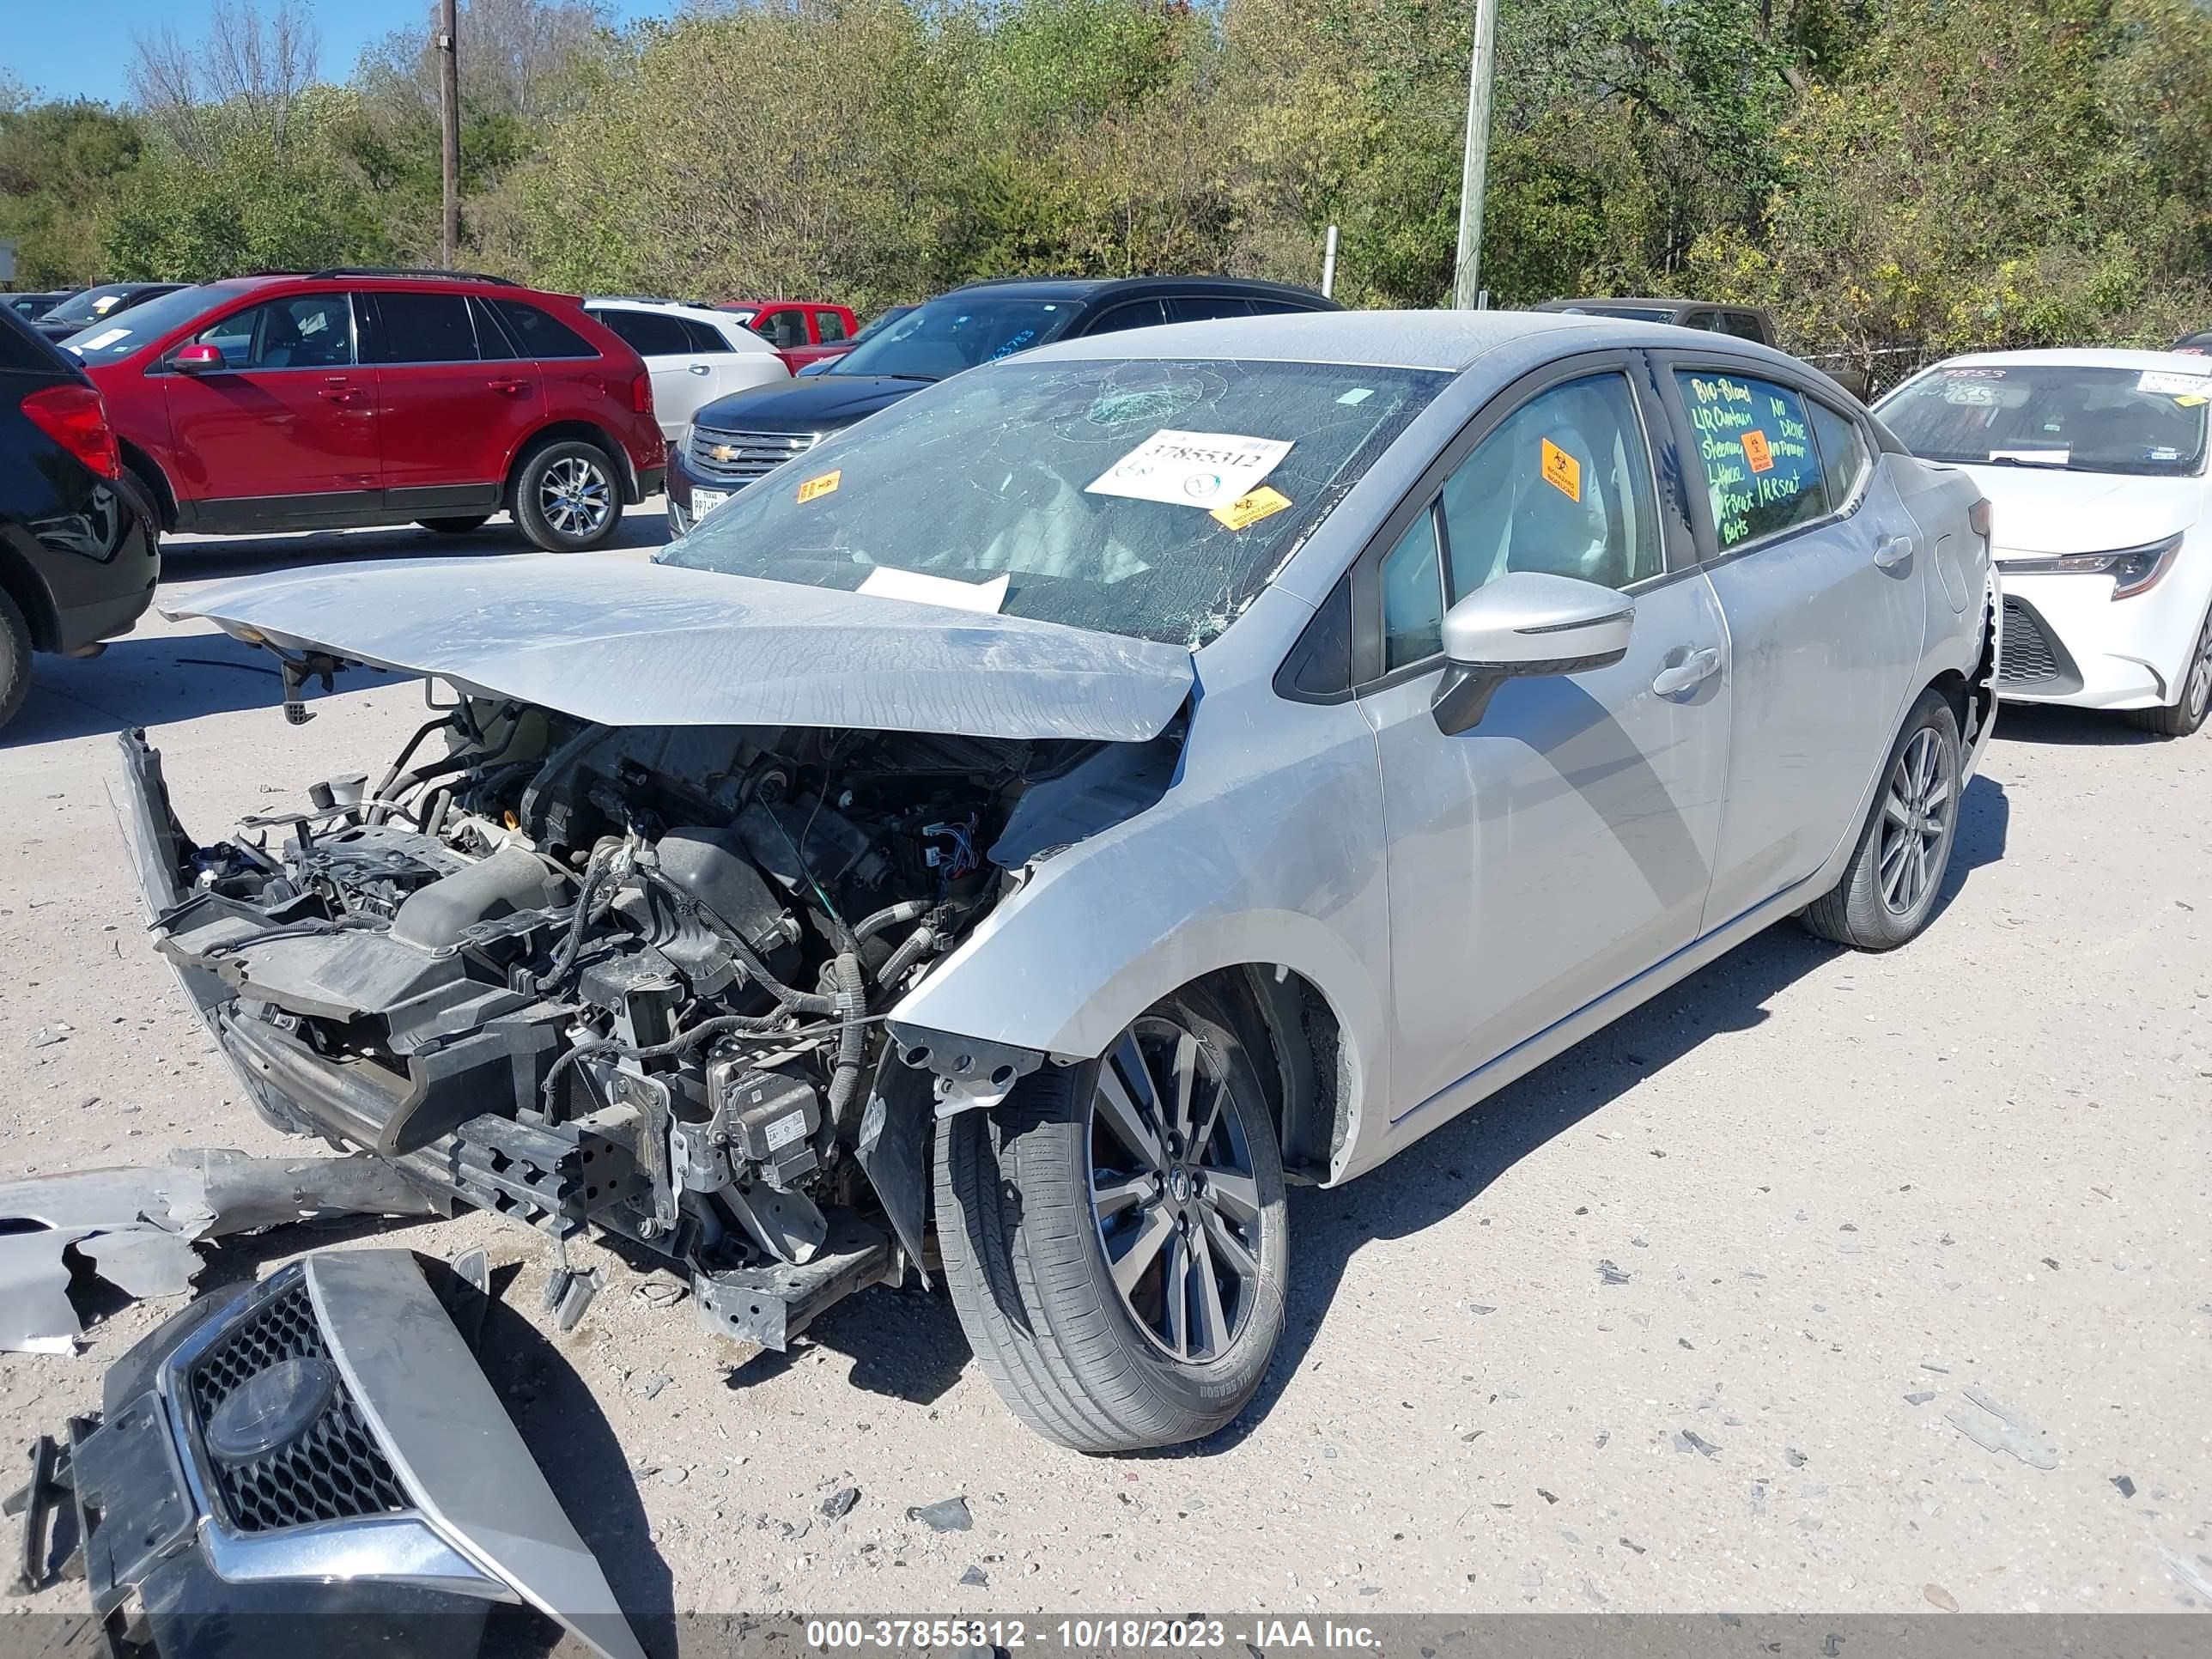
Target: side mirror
1522,625
196,359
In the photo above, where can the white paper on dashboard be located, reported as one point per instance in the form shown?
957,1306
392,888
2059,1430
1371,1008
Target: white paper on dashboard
1192,469
889,582
106,337
2173,385
2034,457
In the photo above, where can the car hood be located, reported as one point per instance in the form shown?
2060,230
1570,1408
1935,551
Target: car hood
2044,510
607,639
816,404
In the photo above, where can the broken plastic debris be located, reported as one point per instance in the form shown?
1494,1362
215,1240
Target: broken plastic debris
973,1576
949,1515
1999,1428
1936,1596
1920,1397
839,1504
1691,1440
1609,1275
2127,1487
1796,1458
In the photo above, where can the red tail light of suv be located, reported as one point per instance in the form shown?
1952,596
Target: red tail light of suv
349,398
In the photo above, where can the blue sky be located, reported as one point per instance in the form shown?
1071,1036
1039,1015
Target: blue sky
83,49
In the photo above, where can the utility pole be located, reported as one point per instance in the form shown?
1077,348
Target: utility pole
1466,287
449,120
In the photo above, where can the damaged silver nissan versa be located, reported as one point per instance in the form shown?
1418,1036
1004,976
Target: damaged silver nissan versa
1025,831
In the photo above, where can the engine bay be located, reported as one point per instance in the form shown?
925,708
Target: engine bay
634,978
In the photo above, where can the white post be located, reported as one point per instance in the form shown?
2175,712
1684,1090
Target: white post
1328,265
1475,157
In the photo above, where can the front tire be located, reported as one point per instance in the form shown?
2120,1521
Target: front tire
1115,1236
1889,889
568,497
2182,716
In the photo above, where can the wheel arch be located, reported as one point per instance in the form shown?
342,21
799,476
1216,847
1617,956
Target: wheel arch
139,460
21,583
565,431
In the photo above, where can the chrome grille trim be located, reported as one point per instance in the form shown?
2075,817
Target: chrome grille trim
737,457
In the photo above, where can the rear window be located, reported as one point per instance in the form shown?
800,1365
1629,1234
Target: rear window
25,350
541,334
648,333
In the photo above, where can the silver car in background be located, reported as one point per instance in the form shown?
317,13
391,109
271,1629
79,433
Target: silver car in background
1031,829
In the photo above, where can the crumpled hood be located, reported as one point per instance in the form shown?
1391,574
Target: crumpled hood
611,639
2044,510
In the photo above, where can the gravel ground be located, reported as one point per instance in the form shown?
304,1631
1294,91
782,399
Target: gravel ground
1672,1325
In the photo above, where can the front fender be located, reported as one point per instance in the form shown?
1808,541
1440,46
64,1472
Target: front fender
1268,848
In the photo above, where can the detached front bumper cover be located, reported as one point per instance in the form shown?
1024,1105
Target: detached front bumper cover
321,1455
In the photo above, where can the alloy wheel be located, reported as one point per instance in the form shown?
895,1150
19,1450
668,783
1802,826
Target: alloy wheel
1173,1192
2198,693
1915,822
575,498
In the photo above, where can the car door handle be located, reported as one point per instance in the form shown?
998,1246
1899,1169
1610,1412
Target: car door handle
509,387
1698,666
701,368
340,392
1893,552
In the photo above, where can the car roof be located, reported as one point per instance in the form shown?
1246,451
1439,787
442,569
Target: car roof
679,307
1101,289
732,305
1655,302
1446,340
2081,357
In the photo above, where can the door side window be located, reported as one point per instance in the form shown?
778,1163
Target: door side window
1412,596
540,334
1755,447
707,340
1844,454
784,328
315,331
830,326
1563,486
422,328
648,333
1205,307
1137,314
493,343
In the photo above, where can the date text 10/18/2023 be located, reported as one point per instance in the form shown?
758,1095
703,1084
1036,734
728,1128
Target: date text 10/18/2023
1124,1634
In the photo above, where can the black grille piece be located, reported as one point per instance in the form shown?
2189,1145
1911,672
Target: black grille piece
333,1471
2030,658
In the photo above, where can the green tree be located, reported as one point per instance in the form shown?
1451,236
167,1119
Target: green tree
59,163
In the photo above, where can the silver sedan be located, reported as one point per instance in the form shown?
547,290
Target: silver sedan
1033,827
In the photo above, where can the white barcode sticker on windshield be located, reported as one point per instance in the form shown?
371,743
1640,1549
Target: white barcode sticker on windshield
2173,385
106,337
1192,469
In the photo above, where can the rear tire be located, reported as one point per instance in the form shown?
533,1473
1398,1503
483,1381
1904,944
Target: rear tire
568,497
454,526
2182,717
1034,1197
15,659
1889,889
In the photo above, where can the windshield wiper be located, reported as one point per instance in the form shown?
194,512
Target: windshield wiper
926,379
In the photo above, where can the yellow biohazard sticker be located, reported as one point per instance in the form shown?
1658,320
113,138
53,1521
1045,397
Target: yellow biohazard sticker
822,484
1251,506
1756,452
1562,471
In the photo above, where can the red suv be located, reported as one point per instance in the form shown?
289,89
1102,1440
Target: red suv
378,397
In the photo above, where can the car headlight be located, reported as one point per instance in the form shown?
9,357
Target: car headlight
2133,570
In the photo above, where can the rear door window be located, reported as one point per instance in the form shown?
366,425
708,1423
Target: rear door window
829,325
1205,307
540,334
706,339
1755,447
648,333
421,328
1137,313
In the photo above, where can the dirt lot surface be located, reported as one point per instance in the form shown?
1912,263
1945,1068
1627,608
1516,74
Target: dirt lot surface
1674,1324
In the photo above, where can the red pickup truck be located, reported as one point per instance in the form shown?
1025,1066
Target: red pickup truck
803,331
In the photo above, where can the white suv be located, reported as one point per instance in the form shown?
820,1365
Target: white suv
694,354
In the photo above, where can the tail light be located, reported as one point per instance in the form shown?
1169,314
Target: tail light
640,394
73,417
1978,517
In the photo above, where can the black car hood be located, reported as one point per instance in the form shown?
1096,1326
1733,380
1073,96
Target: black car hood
820,403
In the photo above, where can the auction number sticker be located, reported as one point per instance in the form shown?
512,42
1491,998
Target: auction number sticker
1192,469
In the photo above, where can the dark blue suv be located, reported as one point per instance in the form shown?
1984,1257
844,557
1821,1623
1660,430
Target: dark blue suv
735,439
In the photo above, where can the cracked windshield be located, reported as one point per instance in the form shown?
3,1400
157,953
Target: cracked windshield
1152,499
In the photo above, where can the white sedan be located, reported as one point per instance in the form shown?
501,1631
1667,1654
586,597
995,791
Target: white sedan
2094,461
694,353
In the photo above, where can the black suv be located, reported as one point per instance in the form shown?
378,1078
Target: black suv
734,440
78,558
90,307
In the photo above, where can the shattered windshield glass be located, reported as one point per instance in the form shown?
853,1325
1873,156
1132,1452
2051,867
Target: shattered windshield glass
1146,498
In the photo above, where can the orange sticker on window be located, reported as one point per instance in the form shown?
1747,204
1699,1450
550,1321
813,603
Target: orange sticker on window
1251,507
821,485
1756,452
1562,471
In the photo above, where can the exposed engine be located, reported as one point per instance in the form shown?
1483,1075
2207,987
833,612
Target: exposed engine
628,976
